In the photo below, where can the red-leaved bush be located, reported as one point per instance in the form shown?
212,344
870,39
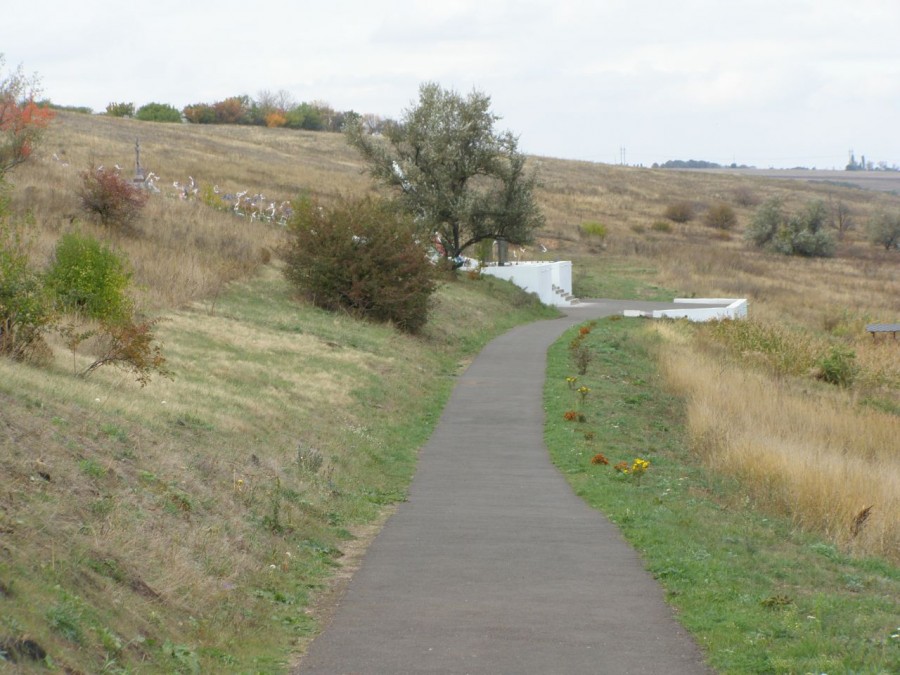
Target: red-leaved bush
21,124
109,197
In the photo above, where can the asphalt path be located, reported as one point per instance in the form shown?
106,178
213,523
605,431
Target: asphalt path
493,565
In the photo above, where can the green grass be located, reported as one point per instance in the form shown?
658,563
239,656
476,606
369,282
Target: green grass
191,524
619,278
758,595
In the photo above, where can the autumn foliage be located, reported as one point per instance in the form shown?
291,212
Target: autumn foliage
21,124
131,346
111,198
275,119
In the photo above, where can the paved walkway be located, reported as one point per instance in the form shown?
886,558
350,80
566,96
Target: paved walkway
493,565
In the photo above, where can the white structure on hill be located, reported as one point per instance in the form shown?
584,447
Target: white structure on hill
729,308
550,281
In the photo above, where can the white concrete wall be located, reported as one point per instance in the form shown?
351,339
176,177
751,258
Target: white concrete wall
731,309
562,275
538,278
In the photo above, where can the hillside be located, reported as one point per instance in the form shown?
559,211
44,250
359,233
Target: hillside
194,524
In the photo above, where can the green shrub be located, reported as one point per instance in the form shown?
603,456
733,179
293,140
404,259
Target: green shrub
661,226
89,278
120,109
211,198
200,113
884,230
838,366
304,116
593,230
679,212
766,221
24,308
785,351
800,234
158,112
110,198
720,216
361,256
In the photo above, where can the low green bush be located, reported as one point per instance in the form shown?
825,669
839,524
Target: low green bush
838,366
24,308
884,230
89,278
120,109
593,230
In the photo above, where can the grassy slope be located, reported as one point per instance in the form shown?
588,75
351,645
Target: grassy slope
145,528
191,522
759,594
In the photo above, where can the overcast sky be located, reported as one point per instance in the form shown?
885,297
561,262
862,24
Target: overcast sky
776,83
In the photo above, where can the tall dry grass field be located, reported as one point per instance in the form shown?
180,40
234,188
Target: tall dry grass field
801,450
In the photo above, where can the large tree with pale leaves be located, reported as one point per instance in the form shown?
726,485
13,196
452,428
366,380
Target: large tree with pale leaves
457,176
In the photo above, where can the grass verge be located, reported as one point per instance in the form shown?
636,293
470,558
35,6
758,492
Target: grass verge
757,594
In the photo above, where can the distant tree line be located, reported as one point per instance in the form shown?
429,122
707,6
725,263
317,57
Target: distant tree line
269,109
696,164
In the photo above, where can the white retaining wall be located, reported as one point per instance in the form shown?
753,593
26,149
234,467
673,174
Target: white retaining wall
538,278
731,309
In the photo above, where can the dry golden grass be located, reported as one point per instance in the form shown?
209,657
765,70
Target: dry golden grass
180,251
799,449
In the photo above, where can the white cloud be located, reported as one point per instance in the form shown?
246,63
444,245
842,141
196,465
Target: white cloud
755,80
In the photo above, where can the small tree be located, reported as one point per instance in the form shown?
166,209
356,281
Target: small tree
24,308
233,110
884,230
841,219
452,172
800,234
304,116
200,113
22,121
131,346
112,199
766,221
361,256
